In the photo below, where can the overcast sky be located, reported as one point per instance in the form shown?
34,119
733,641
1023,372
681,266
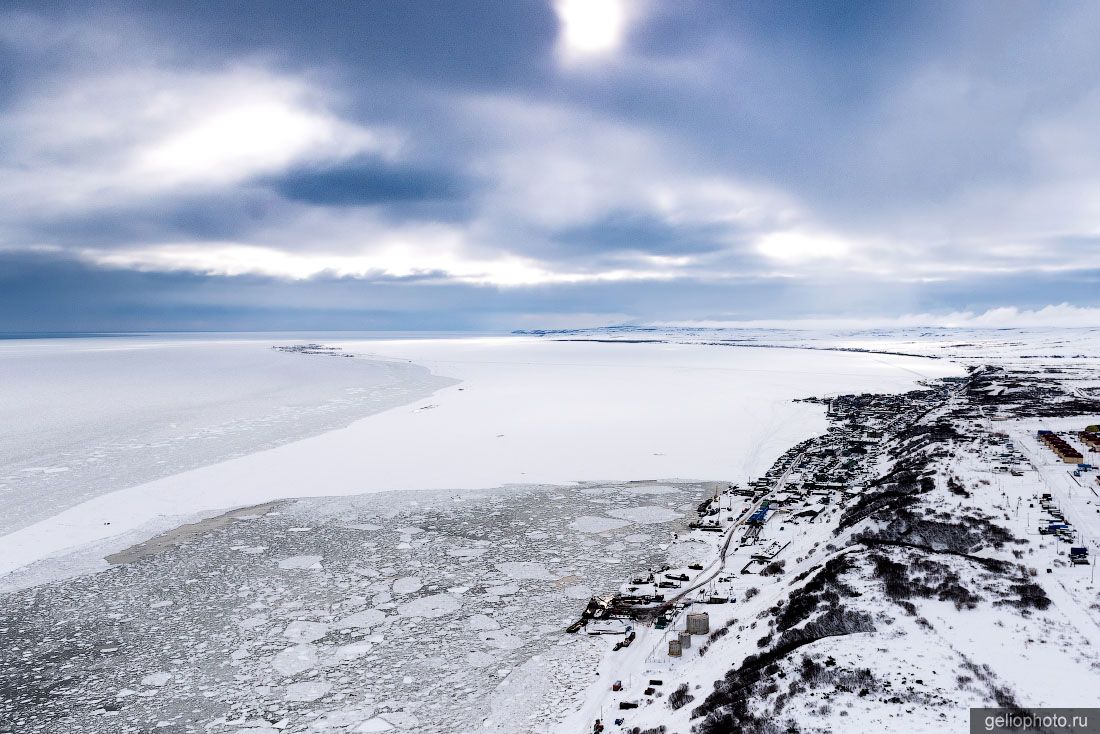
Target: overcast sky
403,165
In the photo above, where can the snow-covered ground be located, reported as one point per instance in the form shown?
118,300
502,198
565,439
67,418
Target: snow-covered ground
965,345
907,593
527,410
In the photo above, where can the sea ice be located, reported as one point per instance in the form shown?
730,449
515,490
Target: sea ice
366,619
256,620
467,552
649,514
156,679
482,622
592,524
299,631
577,591
340,720
407,585
479,659
353,651
435,605
307,691
502,639
525,570
311,563
294,660
401,719
651,490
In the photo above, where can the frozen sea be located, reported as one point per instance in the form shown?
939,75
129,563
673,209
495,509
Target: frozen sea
116,439
84,416
434,612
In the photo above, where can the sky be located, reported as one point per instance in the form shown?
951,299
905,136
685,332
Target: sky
546,163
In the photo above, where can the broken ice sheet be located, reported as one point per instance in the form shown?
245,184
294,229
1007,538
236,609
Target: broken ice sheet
335,629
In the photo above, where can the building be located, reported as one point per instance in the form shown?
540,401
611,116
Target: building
1059,446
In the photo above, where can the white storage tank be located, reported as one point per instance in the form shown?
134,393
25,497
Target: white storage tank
685,640
674,649
698,623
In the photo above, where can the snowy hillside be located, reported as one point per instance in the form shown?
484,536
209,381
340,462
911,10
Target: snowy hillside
898,579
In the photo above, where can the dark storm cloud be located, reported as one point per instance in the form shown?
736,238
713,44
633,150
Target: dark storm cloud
220,217
487,43
360,183
639,232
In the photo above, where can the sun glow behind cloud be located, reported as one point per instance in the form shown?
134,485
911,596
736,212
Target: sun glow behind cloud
591,27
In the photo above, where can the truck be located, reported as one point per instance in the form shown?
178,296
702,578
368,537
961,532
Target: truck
1079,555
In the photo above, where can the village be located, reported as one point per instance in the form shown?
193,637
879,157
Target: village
786,523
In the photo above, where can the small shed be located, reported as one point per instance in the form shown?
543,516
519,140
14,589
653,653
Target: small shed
698,623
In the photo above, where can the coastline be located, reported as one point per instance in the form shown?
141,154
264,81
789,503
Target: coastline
829,549
86,417
665,411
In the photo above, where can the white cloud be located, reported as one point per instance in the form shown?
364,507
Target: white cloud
395,257
124,135
239,127
1063,315
556,166
799,247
